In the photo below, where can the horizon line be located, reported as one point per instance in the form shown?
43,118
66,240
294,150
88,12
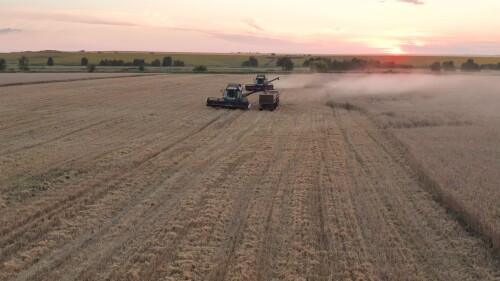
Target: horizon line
250,53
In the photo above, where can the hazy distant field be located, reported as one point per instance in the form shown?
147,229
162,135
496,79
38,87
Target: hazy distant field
221,61
73,58
136,179
27,78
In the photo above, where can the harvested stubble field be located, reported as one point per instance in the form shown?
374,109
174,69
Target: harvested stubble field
449,126
135,179
10,79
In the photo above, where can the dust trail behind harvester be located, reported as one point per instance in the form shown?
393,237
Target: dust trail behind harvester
461,88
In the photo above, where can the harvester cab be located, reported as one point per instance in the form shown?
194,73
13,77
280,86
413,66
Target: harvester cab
261,80
233,92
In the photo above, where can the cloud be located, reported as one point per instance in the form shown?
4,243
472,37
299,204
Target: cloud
94,18
249,39
253,24
416,2
9,30
86,19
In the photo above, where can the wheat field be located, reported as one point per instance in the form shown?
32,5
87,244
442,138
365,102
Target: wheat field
449,127
136,179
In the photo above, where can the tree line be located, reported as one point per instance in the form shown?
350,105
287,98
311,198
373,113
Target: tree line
468,66
167,62
324,64
285,63
315,64
251,62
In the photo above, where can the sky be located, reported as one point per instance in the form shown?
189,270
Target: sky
454,27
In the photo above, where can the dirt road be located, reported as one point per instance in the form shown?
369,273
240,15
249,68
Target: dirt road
135,179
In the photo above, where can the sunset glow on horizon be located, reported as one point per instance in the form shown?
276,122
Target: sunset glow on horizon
322,27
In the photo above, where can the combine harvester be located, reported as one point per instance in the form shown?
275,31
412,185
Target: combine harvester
261,84
234,97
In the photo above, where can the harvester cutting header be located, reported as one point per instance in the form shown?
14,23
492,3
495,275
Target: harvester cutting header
235,98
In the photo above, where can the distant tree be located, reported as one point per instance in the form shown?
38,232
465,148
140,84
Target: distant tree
139,62
156,63
251,62
388,64
178,63
106,62
24,63
339,65
308,61
286,63
142,67
279,61
84,62
436,66
470,66
3,65
167,61
288,66
91,67
358,64
449,66
318,66
200,68
490,66
50,61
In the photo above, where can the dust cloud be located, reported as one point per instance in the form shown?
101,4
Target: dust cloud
394,84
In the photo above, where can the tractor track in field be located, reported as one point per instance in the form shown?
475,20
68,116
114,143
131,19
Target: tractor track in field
152,213
49,210
150,184
265,255
71,80
238,162
69,202
102,122
136,165
239,217
187,182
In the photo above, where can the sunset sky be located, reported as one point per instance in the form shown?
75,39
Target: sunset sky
315,26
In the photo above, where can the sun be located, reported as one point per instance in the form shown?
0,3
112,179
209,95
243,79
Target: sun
388,46
396,51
